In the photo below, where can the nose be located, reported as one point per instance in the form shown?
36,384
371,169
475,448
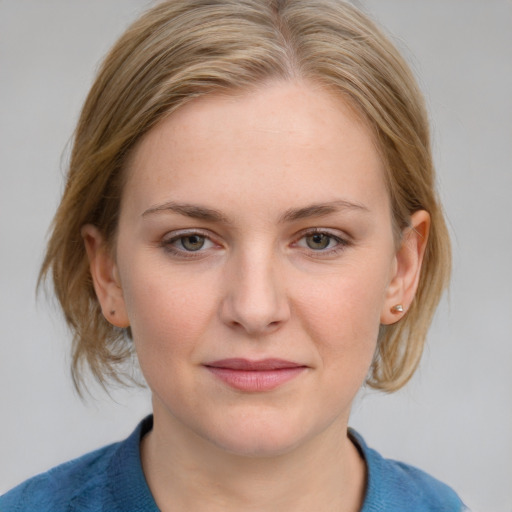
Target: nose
255,300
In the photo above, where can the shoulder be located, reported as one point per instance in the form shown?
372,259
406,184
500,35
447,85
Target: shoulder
56,489
394,486
104,480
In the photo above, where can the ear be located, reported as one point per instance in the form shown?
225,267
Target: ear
406,274
105,277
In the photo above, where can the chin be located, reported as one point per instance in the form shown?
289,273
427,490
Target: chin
254,446
261,437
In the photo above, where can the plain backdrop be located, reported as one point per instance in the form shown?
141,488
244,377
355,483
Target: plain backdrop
454,419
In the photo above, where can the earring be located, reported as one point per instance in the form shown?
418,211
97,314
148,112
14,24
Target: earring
398,308
113,312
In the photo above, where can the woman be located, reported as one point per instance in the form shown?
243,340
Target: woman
250,209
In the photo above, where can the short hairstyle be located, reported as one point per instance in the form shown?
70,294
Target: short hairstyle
182,49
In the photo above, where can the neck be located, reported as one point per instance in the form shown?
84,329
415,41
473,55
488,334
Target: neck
187,472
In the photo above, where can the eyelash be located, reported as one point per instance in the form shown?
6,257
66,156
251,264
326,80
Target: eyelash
341,243
168,243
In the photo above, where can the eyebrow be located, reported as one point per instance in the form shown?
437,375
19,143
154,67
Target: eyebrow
189,210
321,209
208,214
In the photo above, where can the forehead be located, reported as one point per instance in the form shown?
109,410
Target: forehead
277,142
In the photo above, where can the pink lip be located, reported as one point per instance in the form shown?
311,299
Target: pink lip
263,375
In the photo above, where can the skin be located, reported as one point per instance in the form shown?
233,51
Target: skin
262,285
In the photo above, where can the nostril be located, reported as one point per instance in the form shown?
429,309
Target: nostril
254,302
255,327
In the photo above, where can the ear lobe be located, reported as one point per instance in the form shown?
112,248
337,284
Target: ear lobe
405,279
105,277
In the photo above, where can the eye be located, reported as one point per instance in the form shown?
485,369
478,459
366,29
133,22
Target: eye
185,244
321,241
192,242
318,241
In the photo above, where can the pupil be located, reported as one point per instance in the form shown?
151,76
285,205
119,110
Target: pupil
318,241
192,243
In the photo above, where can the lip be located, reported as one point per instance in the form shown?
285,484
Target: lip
255,376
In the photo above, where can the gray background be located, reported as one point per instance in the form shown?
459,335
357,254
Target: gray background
454,419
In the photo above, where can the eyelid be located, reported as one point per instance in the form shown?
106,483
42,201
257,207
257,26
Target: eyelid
173,236
343,240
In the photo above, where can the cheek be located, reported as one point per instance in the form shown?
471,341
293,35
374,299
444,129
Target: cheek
341,312
168,319
168,312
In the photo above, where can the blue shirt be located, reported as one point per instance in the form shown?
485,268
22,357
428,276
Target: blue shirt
111,479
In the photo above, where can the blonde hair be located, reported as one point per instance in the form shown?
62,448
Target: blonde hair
182,49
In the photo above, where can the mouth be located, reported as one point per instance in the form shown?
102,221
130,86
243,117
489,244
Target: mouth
255,376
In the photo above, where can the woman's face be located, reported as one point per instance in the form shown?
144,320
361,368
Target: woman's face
255,261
